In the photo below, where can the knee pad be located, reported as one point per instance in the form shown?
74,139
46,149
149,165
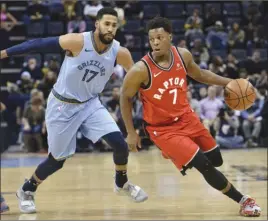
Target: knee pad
215,157
201,163
119,145
56,164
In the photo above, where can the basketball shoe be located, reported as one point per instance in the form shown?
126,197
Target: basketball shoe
26,201
249,207
136,193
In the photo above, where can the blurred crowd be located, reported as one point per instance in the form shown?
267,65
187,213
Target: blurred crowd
234,47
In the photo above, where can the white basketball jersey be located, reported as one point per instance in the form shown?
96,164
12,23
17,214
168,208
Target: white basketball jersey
85,76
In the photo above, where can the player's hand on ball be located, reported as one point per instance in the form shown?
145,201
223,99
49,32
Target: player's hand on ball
133,141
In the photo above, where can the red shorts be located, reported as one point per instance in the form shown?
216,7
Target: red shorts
181,140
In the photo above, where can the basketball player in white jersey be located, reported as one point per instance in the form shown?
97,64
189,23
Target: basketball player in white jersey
74,104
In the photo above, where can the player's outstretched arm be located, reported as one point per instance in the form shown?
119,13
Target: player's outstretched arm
201,75
124,58
135,77
70,42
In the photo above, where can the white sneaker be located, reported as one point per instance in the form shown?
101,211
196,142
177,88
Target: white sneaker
249,207
136,193
26,201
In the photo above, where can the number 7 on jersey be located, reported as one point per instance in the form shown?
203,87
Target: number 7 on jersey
175,92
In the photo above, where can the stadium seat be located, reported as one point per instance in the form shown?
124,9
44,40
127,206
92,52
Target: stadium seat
221,53
232,8
240,54
217,7
36,29
231,20
55,28
136,56
132,26
263,53
178,25
151,10
191,7
56,8
174,10
90,25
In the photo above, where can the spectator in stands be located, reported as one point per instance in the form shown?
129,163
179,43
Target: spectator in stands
199,47
202,93
25,83
34,125
210,107
262,81
211,17
217,38
115,81
47,83
77,25
252,121
36,12
33,69
217,66
194,103
91,10
7,22
226,127
236,36
255,65
232,67
193,27
194,21
52,64
133,9
197,59
69,8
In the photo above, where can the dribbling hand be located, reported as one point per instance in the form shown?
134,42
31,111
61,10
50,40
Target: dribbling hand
133,141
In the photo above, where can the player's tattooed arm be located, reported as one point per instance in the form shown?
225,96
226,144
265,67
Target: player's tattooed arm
124,58
201,75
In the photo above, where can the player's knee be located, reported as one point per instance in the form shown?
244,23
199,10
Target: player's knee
215,157
201,163
120,148
56,164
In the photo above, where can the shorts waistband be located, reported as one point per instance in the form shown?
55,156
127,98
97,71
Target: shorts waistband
67,100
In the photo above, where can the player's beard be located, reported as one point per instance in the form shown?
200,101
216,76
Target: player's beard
104,40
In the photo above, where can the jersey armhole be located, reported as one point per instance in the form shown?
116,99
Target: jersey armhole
143,86
181,58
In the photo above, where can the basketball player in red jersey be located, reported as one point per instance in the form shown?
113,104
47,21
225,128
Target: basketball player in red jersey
160,77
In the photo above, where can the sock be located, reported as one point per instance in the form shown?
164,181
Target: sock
234,194
30,185
120,177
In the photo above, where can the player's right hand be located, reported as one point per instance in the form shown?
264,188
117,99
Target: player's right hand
133,141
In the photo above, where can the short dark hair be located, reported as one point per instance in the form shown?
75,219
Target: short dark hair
106,11
159,22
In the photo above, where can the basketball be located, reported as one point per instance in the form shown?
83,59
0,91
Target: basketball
239,94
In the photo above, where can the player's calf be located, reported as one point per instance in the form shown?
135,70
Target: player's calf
26,193
120,156
217,180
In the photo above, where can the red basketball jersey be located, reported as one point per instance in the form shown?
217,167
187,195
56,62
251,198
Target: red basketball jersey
164,99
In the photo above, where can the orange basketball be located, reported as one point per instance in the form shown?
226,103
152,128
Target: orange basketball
239,94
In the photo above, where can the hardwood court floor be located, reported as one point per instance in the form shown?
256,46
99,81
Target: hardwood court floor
83,189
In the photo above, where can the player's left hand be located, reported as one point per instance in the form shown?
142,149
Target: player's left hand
133,141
